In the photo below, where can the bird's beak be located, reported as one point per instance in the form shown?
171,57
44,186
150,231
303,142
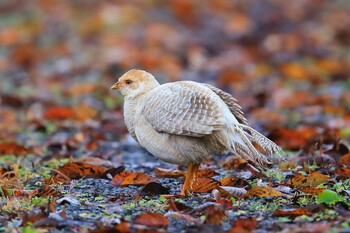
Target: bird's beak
116,86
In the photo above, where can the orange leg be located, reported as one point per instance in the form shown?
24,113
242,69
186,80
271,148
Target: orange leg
191,176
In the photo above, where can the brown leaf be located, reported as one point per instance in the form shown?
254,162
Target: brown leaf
343,171
75,171
234,162
313,180
47,191
151,189
292,213
84,112
244,225
234,181
204,185
311,190
152,219
214,215
344,160
295,71
12,148
263,192
177,206
128,178
167,173
58,113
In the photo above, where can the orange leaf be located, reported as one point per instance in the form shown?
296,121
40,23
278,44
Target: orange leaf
58,113
152,219
11,148
244,225
343,171
84,112
344,160
292,213
161,172
234,181
128,178
312,180
204,184
234,162
311,190
74,171
214,215
295,70
263,192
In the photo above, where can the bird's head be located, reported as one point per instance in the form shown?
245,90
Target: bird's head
135,82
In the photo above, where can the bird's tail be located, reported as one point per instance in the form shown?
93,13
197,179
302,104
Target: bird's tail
243,144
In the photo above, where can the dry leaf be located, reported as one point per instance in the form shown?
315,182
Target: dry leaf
58,113
128,178
343,171
204,185
152,220
344,160
313,180
234,181
12,148
263,192
292,213
214,215
167,173
234,191
234,162
75,171
311,190
244,225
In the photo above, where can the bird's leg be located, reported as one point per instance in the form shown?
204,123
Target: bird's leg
191,175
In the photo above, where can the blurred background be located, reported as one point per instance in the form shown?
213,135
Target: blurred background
287,62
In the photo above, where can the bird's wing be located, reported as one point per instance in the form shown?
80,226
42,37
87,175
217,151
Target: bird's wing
183,108
231,103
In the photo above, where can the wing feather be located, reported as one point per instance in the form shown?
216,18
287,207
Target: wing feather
183,108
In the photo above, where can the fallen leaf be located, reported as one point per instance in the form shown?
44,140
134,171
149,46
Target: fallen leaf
311,190
234,191
151,189
47,191
234,181
204,185
214,215
295,71
262,192
344,160
234,163
243,225
12,148
129,178
59,113
152,220
186,217
292,213
343,171
167,173
75,171
313,180
84,112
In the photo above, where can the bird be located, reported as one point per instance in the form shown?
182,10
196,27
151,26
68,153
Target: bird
186,122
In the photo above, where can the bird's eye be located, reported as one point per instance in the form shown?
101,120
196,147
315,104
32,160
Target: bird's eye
128,81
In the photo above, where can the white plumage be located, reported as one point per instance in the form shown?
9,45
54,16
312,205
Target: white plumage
185,122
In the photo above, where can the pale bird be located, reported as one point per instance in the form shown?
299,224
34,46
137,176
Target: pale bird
186,122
